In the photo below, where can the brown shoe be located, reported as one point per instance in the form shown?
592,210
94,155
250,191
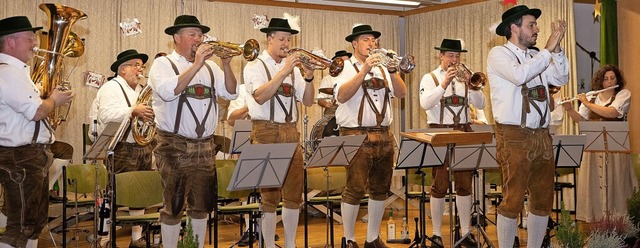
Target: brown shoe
351,244
377,243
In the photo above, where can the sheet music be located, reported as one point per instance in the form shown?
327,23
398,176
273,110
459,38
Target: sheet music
241,136
616,134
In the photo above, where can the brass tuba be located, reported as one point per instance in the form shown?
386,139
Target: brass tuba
249,50
143,131
476,81
316,62
57,43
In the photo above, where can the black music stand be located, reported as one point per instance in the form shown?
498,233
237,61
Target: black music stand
475,157
334,151
261,166
100,149
607,137
416,154
241,136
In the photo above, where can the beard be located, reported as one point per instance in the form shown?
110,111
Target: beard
526,41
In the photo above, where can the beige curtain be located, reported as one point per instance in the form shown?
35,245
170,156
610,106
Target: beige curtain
228,21
471,23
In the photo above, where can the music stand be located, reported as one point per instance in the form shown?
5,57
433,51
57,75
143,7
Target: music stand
607,137
334,151
450,139
473,158
567,150
99,151
261,166
241,136
416,154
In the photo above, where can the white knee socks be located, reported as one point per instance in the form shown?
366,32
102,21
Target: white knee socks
136,231
170,235
268,228
199,227
290,221
437,208
349,216
507,229
464,209
376,211
536,229
56,170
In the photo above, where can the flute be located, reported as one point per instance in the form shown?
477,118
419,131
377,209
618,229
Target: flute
590,93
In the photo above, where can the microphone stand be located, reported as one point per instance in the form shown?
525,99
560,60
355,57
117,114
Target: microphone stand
592,56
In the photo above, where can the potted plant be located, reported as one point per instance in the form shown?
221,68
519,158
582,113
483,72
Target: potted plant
568,234
188,240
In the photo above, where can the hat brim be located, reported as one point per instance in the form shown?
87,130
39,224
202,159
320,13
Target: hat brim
351,37
273,29
174,29
6,32
443,49
142,56
340,55
500,29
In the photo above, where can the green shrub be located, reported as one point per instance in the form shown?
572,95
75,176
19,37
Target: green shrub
188,240
568,234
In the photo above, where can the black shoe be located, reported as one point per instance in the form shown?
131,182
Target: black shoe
351,244
469,241
53,197
436,241
516,242
376,243
244,240
276,238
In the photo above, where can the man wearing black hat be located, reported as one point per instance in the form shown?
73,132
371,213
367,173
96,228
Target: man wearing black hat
326,100
275,82
115,102
447,103
519,79
25,135
186,85
364,90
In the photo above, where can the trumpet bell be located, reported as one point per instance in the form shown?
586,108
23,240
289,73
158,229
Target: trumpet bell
336,67
251,50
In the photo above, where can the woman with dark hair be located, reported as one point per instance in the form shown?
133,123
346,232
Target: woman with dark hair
609,105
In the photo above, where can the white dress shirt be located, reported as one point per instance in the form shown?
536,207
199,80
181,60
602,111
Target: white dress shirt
111,104
506,76
621,104
430,96
239,102
255,76
163,80
347,112
19,102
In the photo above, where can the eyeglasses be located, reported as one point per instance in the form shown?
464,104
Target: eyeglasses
137,66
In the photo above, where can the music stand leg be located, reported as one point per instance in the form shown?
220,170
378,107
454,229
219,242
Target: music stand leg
420,241
475,210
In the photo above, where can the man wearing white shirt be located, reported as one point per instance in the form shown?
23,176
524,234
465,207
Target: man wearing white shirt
25,135
447,103
364,90
519,79
275,83
186,85
116,102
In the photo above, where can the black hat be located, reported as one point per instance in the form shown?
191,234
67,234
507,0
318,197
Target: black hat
341,53
278,24
16,24
126,56
514,13
185,21
361,29
449,45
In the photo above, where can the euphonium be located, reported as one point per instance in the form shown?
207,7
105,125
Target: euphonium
143,131
249,50
60,19
476,81
390,57
316,62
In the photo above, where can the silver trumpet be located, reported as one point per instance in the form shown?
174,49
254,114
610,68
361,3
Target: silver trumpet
390,58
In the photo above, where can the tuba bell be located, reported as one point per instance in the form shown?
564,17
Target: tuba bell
55,44
316,62
476,80
249,50
143,131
